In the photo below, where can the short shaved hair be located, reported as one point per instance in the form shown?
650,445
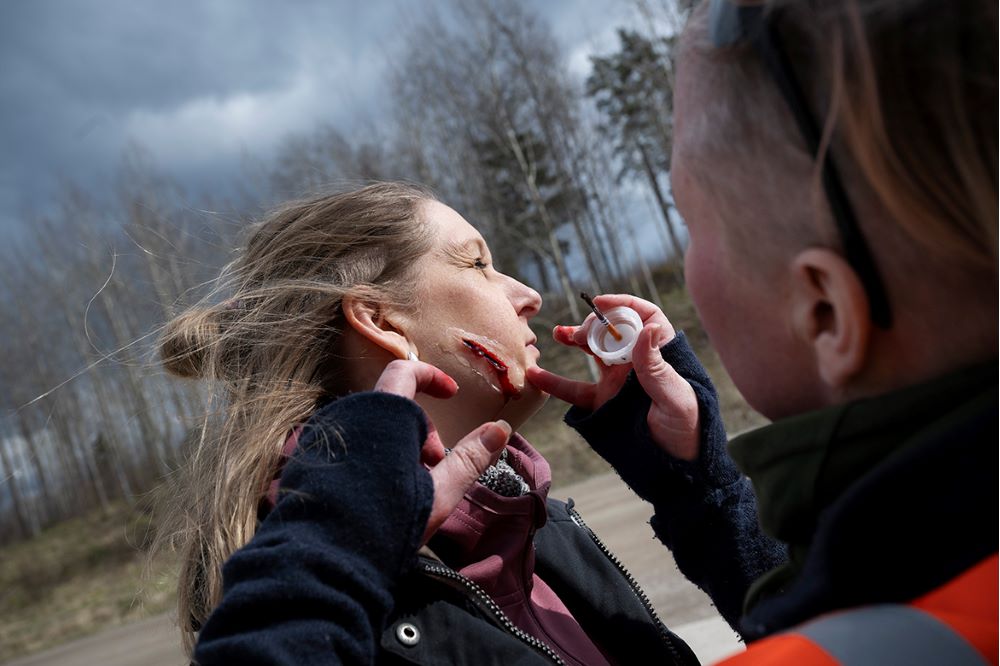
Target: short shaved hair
907,94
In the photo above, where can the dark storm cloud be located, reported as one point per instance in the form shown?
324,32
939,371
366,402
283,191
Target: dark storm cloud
198,83
125,54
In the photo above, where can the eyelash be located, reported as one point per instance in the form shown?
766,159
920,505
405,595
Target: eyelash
479,264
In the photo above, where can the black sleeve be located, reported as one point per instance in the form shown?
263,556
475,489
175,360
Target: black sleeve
705,510
315,583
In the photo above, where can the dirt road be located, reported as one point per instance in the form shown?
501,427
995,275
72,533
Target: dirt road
608,507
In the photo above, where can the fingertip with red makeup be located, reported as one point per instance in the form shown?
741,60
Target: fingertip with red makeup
409,378
573,336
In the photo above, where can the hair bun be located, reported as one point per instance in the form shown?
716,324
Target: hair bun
187,340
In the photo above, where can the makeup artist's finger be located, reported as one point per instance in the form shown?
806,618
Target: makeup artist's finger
658,378
408,378
581,329
649,312
574,392
564,335
673,415
569,336
454,475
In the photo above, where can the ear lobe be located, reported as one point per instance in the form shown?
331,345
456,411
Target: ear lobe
370,321
830,314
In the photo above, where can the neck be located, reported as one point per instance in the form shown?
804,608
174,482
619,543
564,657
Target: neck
914,352
455,418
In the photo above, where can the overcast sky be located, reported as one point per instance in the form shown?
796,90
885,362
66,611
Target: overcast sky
200,83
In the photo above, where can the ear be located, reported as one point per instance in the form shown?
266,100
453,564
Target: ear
373,322
830,314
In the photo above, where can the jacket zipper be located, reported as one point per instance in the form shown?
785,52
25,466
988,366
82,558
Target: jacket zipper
485,601
578,519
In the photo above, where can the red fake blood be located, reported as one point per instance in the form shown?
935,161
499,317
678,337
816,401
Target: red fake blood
506,387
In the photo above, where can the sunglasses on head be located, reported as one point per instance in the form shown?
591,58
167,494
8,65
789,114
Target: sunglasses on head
732,24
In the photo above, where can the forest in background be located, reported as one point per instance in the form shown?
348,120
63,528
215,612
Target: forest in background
484,110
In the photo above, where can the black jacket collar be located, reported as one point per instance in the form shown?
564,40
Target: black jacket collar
894,497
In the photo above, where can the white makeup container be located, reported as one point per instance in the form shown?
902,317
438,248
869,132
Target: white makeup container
615,352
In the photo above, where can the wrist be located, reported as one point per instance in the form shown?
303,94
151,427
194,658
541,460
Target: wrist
676,428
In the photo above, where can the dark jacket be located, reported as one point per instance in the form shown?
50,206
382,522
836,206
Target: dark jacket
332,574
881,500
704,511
458,624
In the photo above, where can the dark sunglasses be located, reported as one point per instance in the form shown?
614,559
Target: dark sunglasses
732,24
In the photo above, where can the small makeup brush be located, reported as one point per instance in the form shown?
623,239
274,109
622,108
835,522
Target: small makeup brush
600,316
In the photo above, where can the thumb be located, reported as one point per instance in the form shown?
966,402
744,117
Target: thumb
673,417
660,381
454,475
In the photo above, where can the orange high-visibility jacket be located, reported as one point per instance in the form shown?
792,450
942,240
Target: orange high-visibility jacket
953,625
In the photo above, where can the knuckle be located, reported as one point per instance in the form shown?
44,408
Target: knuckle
396,365
394,376
656,370
469,460
660,371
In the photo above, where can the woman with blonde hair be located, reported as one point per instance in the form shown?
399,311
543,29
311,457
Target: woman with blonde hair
303,511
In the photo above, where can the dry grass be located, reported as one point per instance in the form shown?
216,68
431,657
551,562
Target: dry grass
78,577
88,574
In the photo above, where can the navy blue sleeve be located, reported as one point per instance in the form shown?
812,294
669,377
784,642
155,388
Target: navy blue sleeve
315,583
705,510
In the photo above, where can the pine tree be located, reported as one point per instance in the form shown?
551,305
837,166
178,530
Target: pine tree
633,90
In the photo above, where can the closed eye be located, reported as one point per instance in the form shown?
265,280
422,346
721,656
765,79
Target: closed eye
480,264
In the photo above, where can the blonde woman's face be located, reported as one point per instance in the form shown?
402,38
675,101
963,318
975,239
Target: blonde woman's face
472,321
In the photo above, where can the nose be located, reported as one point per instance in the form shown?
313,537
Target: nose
526,301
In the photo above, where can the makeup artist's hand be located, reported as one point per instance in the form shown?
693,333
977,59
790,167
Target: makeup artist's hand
454,474
673,415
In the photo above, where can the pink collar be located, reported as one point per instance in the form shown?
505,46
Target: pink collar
488,537
271,496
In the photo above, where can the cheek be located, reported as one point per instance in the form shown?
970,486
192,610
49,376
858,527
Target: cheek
730,318
477,310
744,320
706,284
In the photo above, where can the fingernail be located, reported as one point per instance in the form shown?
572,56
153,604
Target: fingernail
494,438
